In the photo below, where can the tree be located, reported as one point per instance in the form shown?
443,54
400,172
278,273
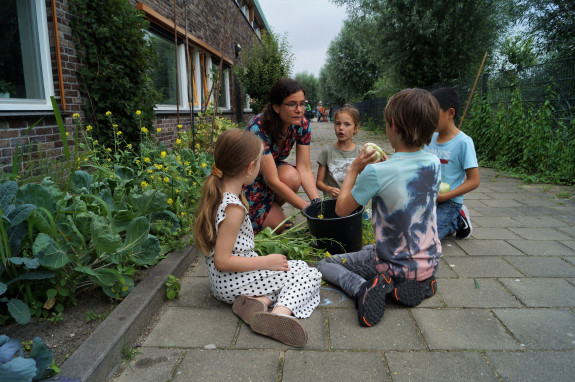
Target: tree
422,42
262,65
351,67
552,23
311,85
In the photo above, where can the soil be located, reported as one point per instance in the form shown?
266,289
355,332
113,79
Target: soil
66,335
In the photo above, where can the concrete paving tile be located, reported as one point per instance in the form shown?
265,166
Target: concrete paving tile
504,203
539,211
333,297
314,325
477,196
481,266
570,244
537,201
492,211
194,292
480,233
570,231
212,302
451,248
489,248
509,187
333,366
445,271
395,331
533,234
546,266
463,293
533,366
198,327
538,329
543,247
513,195
150,365
438,366
565,210
494,222
537,222
462,329
567,219
541,292
198,269
473,203
228,365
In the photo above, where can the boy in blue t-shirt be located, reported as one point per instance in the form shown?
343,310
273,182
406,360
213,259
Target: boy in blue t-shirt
456,153
403,190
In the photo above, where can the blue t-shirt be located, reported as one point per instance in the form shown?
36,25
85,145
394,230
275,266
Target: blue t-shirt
456,156
403,191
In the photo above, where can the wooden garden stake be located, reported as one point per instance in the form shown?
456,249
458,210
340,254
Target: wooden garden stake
472,90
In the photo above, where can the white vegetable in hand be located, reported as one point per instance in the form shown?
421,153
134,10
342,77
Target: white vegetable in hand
444,187
369,147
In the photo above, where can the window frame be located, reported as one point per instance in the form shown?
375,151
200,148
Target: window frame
45,61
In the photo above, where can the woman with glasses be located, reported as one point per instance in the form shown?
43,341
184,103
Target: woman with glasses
280,126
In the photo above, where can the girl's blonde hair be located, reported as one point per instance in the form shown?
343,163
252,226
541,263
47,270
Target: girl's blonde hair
352,111
234,151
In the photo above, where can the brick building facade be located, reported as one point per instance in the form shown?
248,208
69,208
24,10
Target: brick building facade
48,67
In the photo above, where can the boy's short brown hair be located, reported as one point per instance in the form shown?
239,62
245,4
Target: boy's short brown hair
415,113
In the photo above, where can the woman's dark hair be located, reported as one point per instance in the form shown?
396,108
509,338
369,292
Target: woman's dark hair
271,121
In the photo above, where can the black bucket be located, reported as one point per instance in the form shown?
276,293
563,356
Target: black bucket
343,234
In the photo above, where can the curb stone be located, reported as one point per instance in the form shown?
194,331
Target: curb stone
96,359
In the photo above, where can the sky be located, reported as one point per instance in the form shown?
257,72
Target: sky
309,25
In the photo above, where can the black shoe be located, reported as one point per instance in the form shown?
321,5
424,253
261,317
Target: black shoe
371,299
464,230
412,292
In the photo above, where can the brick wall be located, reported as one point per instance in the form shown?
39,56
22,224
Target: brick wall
205,22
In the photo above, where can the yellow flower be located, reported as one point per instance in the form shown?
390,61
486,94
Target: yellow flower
75,115
193,184
114,125
178,141
327,254
186,163
109,149
96,142
144,130
137,161
119,132
158,166
150,171
147,160
178,191
143,184
138,112
109,159
159,130
163,154
89,127
166,179
170,201
108,113
204,165
179,126
67,134
152,177
189,172
197,146
182,213
320,216
129,145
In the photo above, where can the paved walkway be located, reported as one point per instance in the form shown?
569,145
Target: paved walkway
505,309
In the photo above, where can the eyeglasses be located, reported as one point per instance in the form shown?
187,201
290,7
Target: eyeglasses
293,106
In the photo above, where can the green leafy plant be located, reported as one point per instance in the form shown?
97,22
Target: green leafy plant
14,367
173,287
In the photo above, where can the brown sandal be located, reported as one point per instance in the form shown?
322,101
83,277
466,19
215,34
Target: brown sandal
285,329
246,308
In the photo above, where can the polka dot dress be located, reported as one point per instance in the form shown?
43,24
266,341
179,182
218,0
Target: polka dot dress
296,289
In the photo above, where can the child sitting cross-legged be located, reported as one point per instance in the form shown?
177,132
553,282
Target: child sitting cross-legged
403,190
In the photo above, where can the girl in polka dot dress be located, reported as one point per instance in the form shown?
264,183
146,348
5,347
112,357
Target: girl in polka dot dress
237,274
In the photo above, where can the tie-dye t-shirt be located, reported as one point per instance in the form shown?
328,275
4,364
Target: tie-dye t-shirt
403,191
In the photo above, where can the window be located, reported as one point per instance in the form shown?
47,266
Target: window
26,81
224,96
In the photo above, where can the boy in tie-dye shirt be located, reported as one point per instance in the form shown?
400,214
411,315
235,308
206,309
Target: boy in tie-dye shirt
403,189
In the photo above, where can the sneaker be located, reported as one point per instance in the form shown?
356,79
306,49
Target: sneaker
371,299
285,329
246,308
464,230
412,292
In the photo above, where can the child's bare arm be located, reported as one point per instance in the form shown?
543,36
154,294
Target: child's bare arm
333,191
346,203
470,184
228,231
